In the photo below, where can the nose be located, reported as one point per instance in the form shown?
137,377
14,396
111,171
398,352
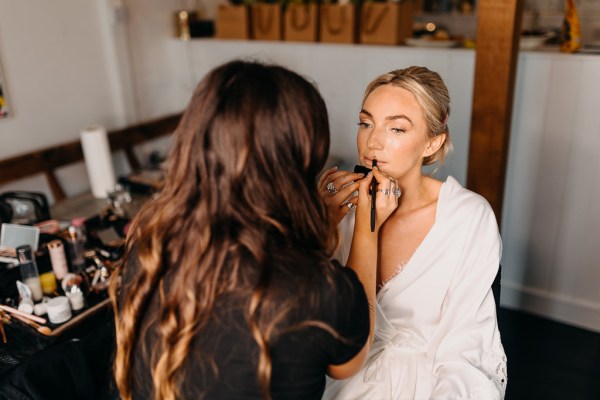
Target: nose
376,139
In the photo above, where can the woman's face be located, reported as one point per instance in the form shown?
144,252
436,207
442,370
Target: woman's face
392,130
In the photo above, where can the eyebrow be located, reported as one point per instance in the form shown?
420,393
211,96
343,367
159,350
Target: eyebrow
390,118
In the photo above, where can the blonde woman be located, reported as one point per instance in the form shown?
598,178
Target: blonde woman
436,333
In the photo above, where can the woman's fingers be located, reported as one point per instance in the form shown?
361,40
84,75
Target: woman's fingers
345,208
338,203
336,188
323,179
335,181
386,201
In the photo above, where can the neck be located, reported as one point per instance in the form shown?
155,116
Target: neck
417,191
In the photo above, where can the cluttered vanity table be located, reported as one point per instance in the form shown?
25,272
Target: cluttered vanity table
63,325
98,227
73,352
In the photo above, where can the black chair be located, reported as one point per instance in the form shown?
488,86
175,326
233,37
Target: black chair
6,212
34,202
496,286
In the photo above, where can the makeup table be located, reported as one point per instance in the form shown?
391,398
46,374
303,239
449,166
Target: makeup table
24,341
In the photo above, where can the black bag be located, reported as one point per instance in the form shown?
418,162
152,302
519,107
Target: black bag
6,212
34,205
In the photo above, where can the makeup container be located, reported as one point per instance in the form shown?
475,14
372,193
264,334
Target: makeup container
25,300
39,309
76,300
58,309
26,305
48,282
58,259
29,271
71,285
75,242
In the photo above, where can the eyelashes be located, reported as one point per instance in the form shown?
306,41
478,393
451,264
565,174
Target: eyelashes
367,125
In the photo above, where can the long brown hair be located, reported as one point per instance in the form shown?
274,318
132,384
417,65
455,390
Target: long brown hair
240,190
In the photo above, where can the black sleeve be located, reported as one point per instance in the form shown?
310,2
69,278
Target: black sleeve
352,316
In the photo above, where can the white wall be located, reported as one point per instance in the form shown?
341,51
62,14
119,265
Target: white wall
60,76
57,73
551,223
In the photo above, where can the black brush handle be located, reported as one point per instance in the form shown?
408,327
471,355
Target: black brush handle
373,198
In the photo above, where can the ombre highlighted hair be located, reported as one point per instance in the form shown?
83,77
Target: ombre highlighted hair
240,190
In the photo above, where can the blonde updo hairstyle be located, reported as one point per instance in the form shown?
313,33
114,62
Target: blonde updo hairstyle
431,94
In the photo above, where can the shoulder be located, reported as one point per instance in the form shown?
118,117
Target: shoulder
469,216
345,280
457,199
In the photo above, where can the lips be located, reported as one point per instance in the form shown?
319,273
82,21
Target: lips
369,162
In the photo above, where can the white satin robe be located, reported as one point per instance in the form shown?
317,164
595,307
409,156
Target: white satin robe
436,333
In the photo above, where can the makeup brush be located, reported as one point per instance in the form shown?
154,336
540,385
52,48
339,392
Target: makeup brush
44,330
14,311
2,332
373,193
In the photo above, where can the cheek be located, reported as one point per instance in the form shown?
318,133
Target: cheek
361,142
406,151
396,145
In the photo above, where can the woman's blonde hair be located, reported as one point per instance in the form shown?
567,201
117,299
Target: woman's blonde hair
239,210
431,94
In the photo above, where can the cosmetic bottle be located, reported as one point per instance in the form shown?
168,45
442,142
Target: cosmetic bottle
75,245
58,259
29,271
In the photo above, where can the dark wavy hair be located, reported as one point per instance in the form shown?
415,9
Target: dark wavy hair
240,189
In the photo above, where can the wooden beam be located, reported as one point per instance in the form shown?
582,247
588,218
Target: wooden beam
498,34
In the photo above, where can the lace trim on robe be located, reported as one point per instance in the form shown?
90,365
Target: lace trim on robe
399,269
499,361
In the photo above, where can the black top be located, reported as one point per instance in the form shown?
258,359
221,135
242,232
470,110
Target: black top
299,358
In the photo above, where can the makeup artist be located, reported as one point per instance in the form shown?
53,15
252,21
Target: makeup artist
229,290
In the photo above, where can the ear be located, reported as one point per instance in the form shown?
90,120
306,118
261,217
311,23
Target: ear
434,145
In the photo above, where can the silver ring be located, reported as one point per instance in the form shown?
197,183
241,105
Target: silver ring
396,191
331,188
350,206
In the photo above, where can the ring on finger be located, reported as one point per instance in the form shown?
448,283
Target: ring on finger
350,206
331,188
397,192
